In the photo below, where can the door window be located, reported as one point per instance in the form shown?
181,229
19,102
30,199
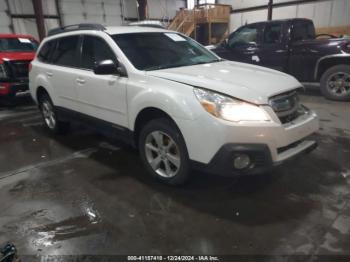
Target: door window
66,51
245,36
95,50
303,31
272,34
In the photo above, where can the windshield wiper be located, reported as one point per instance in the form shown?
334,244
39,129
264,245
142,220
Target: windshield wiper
163,67
208,62
159,67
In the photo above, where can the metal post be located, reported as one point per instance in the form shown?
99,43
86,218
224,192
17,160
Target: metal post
269,12
8,11
58,8
142,9
122,11
39,16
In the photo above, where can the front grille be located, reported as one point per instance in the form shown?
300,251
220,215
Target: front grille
19,69
286,106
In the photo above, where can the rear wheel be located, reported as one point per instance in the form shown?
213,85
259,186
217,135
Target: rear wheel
335,83
50,116
163,151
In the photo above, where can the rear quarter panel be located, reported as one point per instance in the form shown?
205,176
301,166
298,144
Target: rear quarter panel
305,55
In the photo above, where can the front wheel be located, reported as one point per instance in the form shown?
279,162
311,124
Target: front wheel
163,151
335,83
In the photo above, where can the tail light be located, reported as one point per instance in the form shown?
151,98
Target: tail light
30,67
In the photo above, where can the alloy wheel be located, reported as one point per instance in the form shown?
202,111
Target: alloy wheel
339,83
162,154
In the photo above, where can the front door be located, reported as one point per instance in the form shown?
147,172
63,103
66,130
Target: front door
100,96
243,45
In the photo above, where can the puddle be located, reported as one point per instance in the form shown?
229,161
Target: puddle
78,226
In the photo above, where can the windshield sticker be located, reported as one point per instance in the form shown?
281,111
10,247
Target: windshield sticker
175,37
24,40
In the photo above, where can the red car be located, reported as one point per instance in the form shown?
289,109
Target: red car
16,53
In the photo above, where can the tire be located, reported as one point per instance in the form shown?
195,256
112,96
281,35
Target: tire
49,115
170,159
335,83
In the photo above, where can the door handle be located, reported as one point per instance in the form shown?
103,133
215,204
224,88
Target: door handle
80,81
49,74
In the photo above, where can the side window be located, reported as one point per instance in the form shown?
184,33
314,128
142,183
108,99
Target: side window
46,51
245,36
272,34
95,50
303,31
66,51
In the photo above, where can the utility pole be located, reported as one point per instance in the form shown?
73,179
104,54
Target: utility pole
269,12
142,9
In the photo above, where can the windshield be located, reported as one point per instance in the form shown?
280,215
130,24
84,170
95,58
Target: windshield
18,45
153,51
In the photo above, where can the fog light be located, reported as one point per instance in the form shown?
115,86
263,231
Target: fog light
241,161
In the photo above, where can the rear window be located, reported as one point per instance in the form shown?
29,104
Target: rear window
18,45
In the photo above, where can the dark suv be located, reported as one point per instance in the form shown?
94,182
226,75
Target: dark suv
16,52
292,46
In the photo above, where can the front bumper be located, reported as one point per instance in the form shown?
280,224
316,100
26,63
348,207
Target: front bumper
260,155
268,144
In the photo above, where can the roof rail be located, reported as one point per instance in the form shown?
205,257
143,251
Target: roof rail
149,25
69,28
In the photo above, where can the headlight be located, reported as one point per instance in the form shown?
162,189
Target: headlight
3,73
230,109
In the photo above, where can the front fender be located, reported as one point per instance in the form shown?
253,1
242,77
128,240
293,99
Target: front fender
175,99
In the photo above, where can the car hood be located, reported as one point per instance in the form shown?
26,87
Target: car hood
251,83
6,56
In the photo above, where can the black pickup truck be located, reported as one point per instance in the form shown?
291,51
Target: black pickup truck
292,46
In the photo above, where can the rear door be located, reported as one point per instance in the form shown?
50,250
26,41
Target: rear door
273,52
303,56
100,96
62,70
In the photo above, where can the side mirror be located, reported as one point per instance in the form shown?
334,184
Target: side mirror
225,43
106,67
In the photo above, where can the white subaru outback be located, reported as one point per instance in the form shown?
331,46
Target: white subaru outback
179,103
